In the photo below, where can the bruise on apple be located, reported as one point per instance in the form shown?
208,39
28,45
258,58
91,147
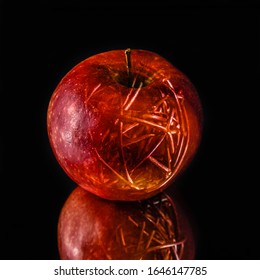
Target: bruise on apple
92,228
124,133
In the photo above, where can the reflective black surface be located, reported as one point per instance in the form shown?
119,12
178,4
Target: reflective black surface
217,46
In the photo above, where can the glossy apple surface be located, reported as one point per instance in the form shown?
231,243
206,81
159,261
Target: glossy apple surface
93,228
123,125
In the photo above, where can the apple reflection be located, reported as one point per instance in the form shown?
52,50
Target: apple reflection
93,228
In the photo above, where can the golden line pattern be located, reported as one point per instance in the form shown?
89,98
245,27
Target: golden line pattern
156,229
145,145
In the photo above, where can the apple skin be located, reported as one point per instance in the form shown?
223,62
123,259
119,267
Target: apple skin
93,228
124,135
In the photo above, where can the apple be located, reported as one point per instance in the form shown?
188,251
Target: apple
94,228
123,124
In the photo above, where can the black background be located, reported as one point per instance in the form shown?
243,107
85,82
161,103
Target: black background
216,45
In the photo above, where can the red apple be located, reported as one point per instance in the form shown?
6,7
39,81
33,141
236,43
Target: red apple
93,228
124,124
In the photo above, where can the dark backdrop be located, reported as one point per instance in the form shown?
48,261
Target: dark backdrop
216,45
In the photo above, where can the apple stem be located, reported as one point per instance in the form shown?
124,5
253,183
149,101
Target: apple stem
128,64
